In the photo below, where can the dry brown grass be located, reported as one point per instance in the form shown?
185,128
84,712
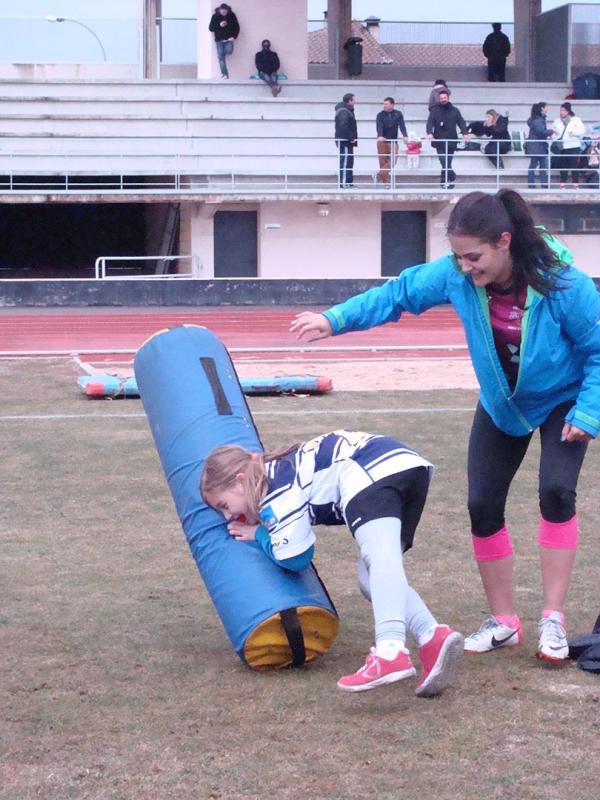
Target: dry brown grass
117,681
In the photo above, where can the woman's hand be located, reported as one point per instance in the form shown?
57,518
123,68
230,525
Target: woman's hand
242,531
311,326
570,433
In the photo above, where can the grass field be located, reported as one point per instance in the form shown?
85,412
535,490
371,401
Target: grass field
117,681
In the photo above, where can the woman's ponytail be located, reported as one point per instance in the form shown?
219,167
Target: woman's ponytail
534,263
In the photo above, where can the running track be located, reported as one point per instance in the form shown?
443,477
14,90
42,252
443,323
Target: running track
249,332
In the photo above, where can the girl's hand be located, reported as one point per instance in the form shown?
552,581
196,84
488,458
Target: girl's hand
242,531
310,325
570,433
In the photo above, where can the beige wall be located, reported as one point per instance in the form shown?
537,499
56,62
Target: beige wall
295,241
344,244
281,21
585,249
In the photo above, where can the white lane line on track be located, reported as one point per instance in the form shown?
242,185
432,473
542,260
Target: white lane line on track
84,366
273,412
371,348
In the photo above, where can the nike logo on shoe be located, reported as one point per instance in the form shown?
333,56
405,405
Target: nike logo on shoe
500,642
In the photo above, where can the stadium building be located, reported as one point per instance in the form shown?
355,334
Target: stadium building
132,174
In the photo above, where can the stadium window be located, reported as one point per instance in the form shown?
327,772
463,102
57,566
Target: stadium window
563,218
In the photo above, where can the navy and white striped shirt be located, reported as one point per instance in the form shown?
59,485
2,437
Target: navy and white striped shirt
313,484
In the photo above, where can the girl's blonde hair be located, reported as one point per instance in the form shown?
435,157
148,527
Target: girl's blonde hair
493,113
224,464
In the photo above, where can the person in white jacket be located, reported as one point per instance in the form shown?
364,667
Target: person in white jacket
566,147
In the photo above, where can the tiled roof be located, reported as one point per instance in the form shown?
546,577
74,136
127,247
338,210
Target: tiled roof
373,52
443,55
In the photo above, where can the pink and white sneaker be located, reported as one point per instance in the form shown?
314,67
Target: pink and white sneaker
377,671
440,658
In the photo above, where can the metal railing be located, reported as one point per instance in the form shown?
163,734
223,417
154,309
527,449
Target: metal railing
124,263
276,165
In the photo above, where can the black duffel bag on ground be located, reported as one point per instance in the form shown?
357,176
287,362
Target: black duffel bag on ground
586,650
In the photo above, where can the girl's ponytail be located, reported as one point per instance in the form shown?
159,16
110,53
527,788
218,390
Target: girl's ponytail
534,263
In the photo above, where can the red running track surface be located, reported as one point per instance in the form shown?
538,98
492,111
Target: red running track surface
113,330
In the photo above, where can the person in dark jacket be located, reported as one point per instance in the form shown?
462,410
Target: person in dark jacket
226,29
496,127
267,63
441,128
439,85
346,139
388,122
536,146
496,48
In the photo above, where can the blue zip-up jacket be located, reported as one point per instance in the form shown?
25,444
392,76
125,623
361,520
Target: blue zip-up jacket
560,340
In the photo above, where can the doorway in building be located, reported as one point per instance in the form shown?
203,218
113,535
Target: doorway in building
236,244
63,240
403,240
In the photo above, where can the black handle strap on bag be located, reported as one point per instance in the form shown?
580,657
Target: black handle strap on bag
295,637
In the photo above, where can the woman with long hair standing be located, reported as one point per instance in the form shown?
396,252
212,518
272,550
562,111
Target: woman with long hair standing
531,322
568,131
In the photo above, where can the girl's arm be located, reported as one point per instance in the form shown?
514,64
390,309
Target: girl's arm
415,290
289,543
581,323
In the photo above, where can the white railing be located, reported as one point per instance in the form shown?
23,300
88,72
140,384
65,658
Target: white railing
124,262
270,165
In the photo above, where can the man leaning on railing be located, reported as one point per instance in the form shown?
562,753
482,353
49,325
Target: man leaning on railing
442,123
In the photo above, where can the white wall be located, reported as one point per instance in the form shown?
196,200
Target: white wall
344,244
586,250
281,21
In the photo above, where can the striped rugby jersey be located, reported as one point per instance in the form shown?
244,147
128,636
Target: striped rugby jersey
313,484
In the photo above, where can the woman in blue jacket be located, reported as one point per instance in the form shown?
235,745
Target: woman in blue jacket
532,328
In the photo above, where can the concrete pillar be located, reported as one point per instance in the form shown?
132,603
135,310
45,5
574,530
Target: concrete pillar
151,11
525,12
281,21
339,29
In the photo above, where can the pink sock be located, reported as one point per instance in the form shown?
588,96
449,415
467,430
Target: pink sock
547,612
510,620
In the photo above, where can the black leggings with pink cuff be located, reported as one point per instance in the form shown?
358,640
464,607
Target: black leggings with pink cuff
494,458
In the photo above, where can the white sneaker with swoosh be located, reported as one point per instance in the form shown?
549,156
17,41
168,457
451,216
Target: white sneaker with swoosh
553,645
491,636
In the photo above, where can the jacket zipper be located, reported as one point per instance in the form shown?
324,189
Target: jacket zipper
531,302
484,317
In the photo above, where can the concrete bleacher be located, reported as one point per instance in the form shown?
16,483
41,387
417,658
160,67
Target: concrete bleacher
208,130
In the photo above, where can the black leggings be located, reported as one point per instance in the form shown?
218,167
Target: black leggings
494,457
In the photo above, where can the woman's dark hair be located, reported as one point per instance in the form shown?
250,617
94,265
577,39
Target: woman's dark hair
568,108
536,109
487,216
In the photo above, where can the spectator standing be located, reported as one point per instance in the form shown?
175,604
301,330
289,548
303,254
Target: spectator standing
496,126
441,128
536,146
387,122
496,48
440,85
226,28
267,63
568,130
346,139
